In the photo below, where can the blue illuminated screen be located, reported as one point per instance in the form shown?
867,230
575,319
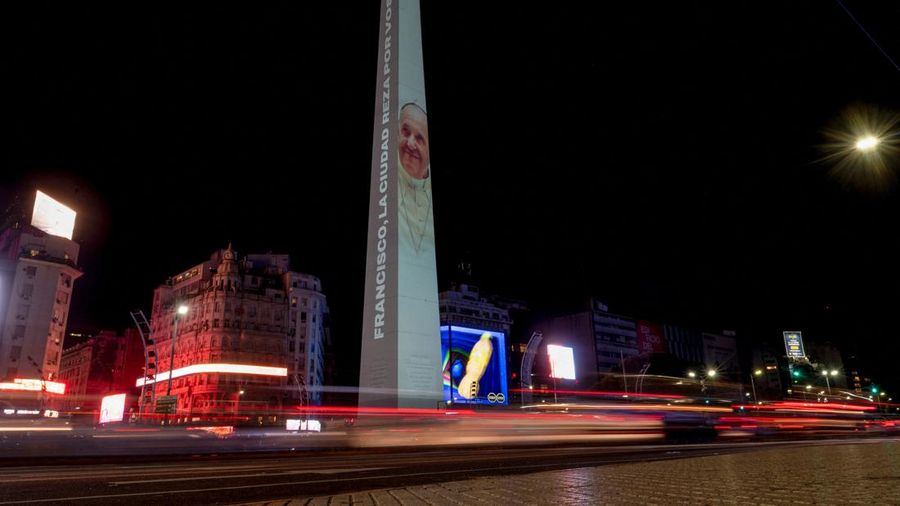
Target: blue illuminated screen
474,364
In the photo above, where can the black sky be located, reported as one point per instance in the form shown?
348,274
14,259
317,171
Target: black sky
658,155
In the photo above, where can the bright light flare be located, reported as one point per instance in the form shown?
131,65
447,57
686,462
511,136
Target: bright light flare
863,147
866,143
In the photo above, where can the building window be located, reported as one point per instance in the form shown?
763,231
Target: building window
27,290
294,301
31,271
19,332
303,317
215,323
14,353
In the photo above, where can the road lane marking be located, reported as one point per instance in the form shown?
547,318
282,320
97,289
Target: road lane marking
254,475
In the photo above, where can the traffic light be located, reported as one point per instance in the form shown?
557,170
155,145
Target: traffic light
796,373
874,389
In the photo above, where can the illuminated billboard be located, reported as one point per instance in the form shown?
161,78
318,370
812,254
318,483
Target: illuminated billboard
294,424
650,338
400,351
474,366
52,217
112,408
562,362
257,370
793,344
34,385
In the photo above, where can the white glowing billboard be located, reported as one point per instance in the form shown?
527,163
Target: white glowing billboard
303,425
52,217
112,408
34,385
562,362
258,370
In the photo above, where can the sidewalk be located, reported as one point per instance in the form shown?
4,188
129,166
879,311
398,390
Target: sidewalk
835,474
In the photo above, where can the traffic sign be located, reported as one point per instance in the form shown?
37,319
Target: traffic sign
166,400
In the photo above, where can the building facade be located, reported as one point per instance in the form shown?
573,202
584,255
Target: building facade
463,305
37,274
106,363
685,344
248,337
615,337
720,352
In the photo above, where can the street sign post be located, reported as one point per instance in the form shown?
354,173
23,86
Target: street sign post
165,404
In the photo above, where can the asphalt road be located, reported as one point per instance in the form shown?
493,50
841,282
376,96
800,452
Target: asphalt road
247,478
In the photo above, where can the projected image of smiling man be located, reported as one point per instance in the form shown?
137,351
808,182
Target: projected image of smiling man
414,141
416,221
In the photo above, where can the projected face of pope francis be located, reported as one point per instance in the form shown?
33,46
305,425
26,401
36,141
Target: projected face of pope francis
413,145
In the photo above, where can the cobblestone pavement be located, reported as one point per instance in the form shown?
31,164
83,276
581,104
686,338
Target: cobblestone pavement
833,474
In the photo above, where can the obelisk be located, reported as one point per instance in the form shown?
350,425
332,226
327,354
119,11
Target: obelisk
400,363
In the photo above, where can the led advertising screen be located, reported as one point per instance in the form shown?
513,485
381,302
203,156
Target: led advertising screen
52,217
562,362
112,408
793,344
474,366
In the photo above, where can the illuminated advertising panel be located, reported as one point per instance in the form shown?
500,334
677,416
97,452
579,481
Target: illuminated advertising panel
34,385
793,344
112,408
650,338
256,370
562,362
295,424
474,366
400,352
52,217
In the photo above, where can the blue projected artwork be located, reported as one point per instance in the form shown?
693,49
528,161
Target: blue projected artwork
474,365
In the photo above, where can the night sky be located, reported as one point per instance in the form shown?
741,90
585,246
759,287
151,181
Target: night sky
661,156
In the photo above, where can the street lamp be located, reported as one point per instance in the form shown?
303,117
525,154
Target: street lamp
692,374
757,372
711,373
827,383
180,311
